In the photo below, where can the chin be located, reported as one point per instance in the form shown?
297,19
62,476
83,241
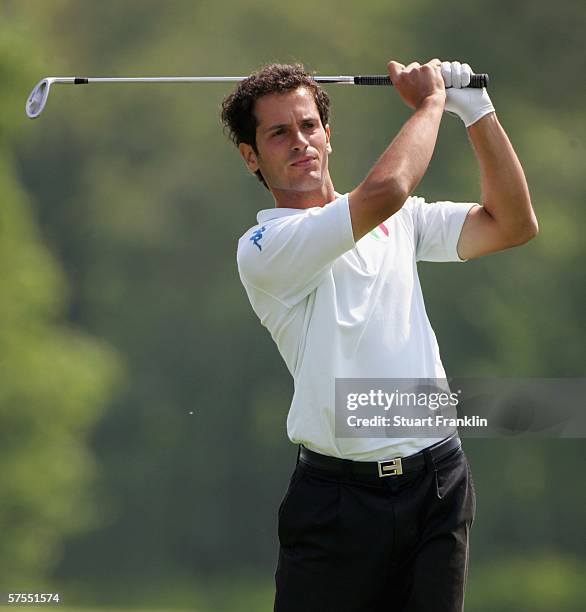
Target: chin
315,186
308,183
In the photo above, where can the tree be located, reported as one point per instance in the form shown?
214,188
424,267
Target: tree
54,379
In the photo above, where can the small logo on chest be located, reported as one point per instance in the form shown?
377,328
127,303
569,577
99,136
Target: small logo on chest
380,233
257,237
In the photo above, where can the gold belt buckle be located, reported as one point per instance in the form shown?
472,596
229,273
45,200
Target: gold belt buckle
390,467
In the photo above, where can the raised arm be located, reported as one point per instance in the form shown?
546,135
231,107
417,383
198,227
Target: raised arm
400,168
506,218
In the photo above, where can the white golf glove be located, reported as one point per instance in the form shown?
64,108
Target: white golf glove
466,102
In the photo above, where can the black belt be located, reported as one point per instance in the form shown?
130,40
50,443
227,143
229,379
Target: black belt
388,467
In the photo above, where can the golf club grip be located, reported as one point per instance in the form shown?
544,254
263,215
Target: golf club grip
477,81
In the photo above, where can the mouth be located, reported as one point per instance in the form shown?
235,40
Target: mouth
304,161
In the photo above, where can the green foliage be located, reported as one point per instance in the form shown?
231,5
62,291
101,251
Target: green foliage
141,198
524,584
54,380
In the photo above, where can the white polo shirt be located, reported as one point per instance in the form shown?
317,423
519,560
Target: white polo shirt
340,309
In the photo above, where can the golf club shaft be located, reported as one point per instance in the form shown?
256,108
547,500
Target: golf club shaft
38,97
476,81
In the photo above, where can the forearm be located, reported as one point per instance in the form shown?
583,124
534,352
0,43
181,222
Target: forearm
403,164
505,194
400,168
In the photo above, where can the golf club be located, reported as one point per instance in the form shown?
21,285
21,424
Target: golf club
38,97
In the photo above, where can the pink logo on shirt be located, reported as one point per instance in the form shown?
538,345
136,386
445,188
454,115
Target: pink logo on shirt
381,233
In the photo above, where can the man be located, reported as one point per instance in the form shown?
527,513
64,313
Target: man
367,524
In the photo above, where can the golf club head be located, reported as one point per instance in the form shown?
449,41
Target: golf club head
38,98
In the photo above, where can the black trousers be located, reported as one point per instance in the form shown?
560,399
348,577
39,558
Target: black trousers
354,543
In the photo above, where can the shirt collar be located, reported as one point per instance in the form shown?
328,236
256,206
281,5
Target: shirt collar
268,214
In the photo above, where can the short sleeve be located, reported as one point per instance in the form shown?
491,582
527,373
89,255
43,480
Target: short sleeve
288,256
437,227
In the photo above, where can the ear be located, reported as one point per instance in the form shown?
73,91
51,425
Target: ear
249,156
328,144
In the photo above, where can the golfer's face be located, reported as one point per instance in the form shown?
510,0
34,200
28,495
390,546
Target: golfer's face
292,143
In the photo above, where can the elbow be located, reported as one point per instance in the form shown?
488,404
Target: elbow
530,228
372,202
526,231
388,196
396,195
533,229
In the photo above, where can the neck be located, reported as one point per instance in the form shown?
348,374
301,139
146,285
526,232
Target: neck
285,198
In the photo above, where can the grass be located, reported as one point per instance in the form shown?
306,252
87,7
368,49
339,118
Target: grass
538,583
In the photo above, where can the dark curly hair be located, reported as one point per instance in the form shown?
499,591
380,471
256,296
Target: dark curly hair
237,109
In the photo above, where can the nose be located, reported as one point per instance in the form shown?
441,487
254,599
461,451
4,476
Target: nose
300,141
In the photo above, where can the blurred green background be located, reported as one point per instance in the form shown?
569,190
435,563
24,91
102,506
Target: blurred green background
121,311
